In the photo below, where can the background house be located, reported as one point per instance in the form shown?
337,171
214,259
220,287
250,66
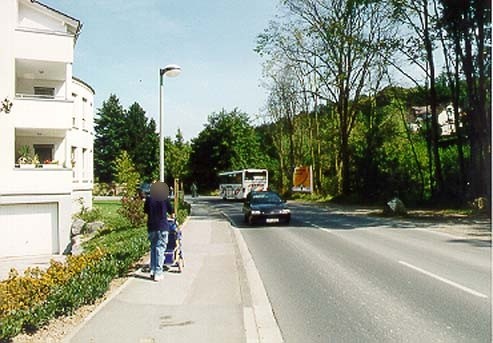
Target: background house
446,119
52,117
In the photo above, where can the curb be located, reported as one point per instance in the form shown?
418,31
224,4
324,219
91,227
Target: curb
79,327
116,292
267,329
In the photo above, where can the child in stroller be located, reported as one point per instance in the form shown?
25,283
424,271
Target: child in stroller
173,256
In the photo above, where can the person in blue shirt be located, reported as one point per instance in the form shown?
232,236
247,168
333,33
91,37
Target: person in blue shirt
157,206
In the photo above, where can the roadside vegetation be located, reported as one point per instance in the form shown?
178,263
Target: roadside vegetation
378,97
30,301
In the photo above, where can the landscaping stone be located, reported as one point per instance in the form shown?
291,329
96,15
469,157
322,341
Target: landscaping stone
77,226
77,245
395,207
94,227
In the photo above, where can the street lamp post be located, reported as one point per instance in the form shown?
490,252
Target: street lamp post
171,70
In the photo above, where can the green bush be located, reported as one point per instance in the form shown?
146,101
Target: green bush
102,189
124,246
133,209
28,302
88,214
183,212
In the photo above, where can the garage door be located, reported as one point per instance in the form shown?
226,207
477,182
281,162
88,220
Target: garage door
28,229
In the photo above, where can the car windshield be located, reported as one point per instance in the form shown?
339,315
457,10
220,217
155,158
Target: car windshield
265,198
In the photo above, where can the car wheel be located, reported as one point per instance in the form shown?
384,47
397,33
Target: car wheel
250,220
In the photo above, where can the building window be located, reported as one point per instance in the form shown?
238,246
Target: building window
84,111
44,92
84,163
73,152
44,152
74,111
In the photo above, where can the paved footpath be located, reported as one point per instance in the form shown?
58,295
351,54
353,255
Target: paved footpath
213,300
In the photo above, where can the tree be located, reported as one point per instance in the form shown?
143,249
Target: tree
341,42
468,27
228,142
420,18
127,175
130,130
141,141
283,105
110,124
177,156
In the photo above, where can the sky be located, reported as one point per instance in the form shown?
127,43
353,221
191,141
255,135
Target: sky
123,44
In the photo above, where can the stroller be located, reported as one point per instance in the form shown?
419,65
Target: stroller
173,256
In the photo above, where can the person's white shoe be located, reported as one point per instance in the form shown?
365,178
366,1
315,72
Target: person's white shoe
158,277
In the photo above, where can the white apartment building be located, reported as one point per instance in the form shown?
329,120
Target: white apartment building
50,113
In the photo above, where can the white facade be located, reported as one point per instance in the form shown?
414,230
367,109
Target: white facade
446,119
52,113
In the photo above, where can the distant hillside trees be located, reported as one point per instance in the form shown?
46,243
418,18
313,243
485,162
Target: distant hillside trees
329,64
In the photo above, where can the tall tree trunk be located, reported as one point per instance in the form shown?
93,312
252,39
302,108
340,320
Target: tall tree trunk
476,179
435,134
484,122
457,118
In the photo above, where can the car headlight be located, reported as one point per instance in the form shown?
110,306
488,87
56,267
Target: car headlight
285,211
255,212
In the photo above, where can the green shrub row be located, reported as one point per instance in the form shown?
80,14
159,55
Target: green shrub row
28,302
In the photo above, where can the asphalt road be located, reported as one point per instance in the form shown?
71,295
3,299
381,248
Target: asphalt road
338,277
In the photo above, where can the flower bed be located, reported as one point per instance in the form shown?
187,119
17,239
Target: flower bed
28,302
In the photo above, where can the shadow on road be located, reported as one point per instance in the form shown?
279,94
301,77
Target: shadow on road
474,242
475,232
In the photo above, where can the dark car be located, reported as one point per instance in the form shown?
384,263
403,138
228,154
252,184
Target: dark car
265,207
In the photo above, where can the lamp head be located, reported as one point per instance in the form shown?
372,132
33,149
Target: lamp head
171,70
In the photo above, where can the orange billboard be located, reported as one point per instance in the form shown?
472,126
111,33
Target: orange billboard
302,179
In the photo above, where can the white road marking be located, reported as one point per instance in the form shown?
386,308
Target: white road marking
463,288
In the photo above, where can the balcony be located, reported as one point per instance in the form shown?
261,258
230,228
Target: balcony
43,45
40,113
38,181
41,89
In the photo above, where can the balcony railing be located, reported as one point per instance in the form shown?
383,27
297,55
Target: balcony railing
38,180
42,113
40,97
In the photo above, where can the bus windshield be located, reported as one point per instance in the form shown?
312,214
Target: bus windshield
255,176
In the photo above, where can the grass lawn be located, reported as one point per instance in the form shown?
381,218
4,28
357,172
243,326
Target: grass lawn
108,208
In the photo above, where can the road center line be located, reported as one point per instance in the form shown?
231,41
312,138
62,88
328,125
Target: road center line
464,288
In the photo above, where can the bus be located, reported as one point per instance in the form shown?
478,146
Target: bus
237,184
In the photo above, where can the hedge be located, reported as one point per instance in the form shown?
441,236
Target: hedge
28,302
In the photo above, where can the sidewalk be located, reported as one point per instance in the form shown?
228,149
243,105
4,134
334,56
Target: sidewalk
211,301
